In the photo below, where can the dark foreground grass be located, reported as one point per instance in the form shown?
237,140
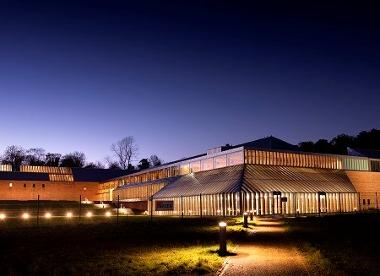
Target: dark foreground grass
339,245
134,246
333,245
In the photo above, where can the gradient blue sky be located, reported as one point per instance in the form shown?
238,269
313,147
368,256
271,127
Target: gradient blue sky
181,78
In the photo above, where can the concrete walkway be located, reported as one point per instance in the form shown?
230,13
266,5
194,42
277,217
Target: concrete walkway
269,253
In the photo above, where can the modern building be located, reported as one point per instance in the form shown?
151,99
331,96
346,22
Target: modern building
53,183
266,176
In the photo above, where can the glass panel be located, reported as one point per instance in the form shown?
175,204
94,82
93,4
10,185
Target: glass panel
207,164
195,166
220,161
234,158
184,169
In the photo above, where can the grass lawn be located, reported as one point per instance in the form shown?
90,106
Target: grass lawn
99,246
345,244
339,245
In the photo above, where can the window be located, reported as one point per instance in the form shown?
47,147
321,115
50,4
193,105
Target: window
184,169
363,201
43,185
195,166
207,164
10,185
34,185
24,185
220,161
235,158
368,202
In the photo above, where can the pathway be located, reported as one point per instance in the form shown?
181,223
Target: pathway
269,253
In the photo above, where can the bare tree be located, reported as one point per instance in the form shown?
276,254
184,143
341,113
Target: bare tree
96,165
35,157
74,159
154,160
14,155
52,159
124,150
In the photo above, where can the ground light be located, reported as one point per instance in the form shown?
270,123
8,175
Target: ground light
88,214
222,238
2,216
69,215
25,216
245,217
47,215
108,214
251,215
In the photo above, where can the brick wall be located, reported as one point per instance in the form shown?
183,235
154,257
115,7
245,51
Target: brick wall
367,184
52,190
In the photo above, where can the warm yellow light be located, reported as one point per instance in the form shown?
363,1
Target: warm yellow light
2,216
48,215
88,214
245,214
222,224
25,216
69,215
108,214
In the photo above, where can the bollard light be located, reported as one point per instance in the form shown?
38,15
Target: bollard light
25,216
69,215
222,238
48,215
88,214
108,214
251,215
2,216
245,217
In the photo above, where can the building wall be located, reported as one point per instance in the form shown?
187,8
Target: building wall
49,190
233,204
367,185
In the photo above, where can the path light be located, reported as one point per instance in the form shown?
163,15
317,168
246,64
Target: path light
69,215
89,214
108,214
25,216
2,216
245,217
48,215
222,238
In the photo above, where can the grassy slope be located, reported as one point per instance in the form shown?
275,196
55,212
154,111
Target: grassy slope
345,245
134,246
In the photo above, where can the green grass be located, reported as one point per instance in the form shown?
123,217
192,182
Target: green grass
333,245
339,245
98,246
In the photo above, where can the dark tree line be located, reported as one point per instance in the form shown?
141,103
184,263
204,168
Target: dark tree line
124,151
338,145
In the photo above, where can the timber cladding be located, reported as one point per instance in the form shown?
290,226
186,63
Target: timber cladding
365,181
49,190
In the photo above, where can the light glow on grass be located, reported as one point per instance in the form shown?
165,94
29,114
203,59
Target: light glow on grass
108,214
48,215
2,216
89,214
69,214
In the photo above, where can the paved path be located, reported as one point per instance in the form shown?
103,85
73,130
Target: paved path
269,253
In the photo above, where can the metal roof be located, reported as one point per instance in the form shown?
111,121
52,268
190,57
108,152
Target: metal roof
223,180
95,175
258,178
142,184
261,178
24,176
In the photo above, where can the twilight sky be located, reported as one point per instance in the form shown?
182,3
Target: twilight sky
184,76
